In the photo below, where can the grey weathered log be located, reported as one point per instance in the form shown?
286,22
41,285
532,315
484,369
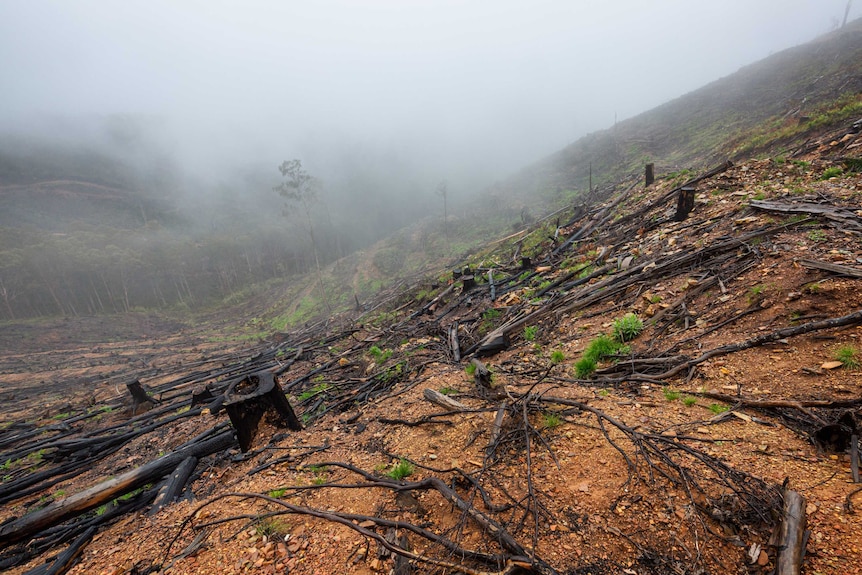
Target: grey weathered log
253,398
830,267
854,457
791,549
845,217
106,491
175,484
453,342
443,401
497,427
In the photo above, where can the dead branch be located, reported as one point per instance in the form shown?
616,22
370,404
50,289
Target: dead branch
791,549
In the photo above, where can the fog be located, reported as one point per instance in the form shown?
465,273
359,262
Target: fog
464,90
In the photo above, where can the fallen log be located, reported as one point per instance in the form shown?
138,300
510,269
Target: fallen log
834,268
65,560
843,216
442,400
791,548
58,511
175,484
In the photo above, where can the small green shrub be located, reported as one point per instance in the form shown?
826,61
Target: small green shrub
688,400
602,347
717,408
378,354
671,394
604,393
470,369
451,390
832,172
848,356
530,332
557,356
401,470
627,327
277,493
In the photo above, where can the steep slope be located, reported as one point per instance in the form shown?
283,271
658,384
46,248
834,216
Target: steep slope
669,452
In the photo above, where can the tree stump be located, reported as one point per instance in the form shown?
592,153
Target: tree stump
649,174
141,400
255,398
684,204
202,395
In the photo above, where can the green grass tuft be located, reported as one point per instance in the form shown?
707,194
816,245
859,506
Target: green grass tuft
401,470
585,367
551,420
627,327
671,394
848,356
530,332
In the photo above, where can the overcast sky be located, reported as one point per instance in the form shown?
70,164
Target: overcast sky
490,84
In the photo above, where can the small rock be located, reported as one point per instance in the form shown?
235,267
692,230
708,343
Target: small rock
831,365
763,559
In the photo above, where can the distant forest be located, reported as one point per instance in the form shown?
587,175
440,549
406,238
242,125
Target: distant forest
83,233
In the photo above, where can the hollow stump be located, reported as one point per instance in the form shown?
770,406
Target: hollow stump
254,398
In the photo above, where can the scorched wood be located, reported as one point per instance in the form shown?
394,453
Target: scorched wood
252,398
54,513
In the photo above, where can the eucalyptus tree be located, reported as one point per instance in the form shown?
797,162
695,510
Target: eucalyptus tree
301,190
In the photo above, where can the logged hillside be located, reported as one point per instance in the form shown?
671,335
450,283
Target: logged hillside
646,394
655,379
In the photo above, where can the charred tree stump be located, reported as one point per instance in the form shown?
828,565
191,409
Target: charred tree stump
141,400
684,204
249,399
649,174
526,263
494,342
791,548
202,395
481,375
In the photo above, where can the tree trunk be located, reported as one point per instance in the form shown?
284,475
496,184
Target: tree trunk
649,174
